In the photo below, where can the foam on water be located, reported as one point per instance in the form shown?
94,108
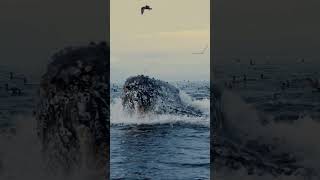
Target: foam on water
203,104
298,138
120,117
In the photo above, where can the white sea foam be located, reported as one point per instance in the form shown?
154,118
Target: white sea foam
120,117
203,104
300,137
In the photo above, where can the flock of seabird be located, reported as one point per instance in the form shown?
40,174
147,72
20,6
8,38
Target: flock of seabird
314,83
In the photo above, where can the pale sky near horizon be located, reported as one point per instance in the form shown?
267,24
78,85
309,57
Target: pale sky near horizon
160,43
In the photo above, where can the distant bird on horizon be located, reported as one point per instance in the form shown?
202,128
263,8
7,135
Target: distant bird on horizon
145,8
203,51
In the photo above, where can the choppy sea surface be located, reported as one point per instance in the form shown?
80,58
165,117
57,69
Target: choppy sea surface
272,118
161,146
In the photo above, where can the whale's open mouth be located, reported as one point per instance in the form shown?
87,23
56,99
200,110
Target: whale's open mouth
139,95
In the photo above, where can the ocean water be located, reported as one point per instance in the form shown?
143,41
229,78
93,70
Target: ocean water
12,105
276,111
161,146
158,147
20,153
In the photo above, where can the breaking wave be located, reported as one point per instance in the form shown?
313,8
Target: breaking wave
298,138
120,117
203,104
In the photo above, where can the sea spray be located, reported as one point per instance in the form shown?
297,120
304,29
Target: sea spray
202,104
267,149
120,117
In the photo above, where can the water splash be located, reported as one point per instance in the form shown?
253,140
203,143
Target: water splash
120,117
297,138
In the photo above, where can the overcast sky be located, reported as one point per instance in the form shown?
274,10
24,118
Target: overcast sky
32,30
160,43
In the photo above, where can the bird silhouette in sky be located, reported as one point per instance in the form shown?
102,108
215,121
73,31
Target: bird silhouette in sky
203,51
145,8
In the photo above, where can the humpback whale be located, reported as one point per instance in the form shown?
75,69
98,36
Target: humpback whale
142,95
72,113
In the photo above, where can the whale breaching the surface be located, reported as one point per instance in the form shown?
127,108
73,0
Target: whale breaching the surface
143,95
72,114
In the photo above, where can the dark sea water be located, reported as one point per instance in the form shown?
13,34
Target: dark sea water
272,114
163,146
12,105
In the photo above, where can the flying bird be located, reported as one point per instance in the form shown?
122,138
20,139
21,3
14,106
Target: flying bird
145,8
203,51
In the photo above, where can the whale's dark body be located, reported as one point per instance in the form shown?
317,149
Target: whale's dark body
143,95
72,114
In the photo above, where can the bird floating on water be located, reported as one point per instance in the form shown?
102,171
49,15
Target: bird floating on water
145,8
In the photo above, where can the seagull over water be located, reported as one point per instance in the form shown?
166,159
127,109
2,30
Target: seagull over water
145,8
203,51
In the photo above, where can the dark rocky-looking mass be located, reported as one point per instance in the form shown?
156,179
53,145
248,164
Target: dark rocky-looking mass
143,94
73,111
